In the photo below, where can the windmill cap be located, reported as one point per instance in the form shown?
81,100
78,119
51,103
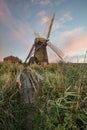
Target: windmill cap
40,39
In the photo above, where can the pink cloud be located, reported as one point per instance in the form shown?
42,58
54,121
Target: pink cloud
2,17
73,41
44,20
71,34
32,1
24,28
21,30
6,17
1,14
76,44
52,56
41,13
53,59
43,17
21,39
4,11
17,30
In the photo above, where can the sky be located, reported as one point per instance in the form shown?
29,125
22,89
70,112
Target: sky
20,19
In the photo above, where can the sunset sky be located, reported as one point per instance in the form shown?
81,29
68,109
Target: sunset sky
19,19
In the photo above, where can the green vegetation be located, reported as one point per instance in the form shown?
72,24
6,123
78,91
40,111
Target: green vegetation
10,106
61,105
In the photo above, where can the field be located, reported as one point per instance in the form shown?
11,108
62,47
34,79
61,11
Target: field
61,104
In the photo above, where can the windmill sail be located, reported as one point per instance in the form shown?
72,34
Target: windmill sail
30,53
50,26
37,34
56,50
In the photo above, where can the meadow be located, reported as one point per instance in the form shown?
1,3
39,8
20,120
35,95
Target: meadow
61,104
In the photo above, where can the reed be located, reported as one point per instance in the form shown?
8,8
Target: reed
60,105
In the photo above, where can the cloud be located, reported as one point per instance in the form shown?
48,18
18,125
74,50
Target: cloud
41,13
45,2
71,34
62,20
17,28
44,20
66,17
43,17
48,2
53,58
32,1
23,42
4,11
23,28
58,22
58,2
1,14
42,2
77,44
74,40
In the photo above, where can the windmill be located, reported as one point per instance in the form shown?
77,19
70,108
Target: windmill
39,48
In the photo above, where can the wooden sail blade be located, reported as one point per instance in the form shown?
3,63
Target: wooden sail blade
50,26
37,34
56,50
30,53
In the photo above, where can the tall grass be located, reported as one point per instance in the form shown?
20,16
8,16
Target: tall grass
63,99
11,111
61,104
